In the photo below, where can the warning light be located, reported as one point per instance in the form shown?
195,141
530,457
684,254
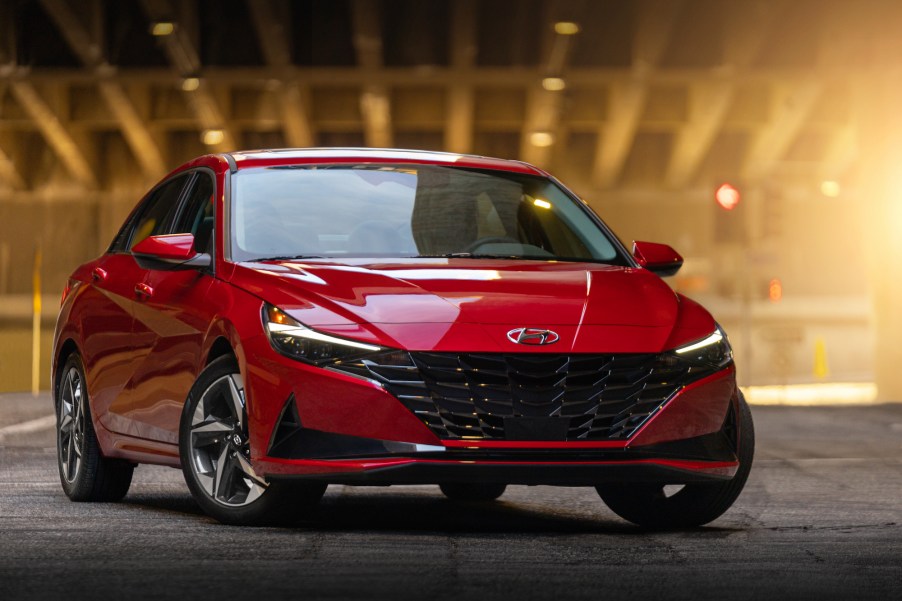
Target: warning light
727,196
775,290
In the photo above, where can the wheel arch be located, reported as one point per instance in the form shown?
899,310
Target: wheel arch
221,346
222,339
68,347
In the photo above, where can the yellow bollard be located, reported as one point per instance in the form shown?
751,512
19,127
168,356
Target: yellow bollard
821,369
36,322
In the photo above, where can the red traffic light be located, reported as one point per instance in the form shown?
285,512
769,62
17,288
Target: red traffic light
727,196
775,290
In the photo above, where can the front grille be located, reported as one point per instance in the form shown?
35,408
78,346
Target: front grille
476,396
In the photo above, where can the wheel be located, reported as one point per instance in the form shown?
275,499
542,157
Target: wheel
215,454
650,505
86,475
472,492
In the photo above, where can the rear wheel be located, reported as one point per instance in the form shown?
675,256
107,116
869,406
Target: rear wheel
84,473
215,455
662,507
457,491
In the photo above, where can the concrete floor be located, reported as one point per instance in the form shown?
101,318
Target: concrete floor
821,518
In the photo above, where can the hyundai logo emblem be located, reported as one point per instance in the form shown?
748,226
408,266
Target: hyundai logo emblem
532,336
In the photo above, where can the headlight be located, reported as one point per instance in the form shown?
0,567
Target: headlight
293,339
713,350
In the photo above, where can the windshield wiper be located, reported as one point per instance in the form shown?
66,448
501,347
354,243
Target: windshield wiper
463,255
286,258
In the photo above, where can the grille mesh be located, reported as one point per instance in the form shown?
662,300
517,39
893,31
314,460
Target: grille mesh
465,395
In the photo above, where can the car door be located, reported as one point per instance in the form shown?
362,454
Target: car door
173,315
107,331
125,279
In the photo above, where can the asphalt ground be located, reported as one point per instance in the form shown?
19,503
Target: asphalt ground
820,518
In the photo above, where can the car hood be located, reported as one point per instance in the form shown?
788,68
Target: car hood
491,295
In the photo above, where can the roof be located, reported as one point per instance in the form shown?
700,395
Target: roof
296,156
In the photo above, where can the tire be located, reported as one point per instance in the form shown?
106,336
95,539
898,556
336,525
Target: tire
215,456
694,505
472,493
86,475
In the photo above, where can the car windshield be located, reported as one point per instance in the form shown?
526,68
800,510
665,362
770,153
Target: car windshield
355,211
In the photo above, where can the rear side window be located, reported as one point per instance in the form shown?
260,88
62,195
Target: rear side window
151,216
158,211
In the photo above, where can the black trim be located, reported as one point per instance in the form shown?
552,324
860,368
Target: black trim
526,473
233,166
290,440
283,438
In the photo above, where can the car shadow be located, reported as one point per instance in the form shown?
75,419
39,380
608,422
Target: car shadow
417,513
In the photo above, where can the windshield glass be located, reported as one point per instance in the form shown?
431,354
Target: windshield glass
342,211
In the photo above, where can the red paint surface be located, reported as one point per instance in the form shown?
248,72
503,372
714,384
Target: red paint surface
142,352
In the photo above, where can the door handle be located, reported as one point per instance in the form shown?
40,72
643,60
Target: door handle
143,290
98,274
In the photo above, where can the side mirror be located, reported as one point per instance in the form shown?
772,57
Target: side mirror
658,258
170,252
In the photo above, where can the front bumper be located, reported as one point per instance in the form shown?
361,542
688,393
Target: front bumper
318,424
703,459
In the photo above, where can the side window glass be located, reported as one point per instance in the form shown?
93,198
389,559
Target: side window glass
197,216
158,211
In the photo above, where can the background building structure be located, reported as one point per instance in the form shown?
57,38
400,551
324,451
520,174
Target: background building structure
644,108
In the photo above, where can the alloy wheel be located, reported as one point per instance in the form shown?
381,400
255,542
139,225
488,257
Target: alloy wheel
71,429
219,447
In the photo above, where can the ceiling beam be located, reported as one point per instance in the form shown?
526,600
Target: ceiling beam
708,105
791,106
135,131
294,99
626,100
8,33
375,104
179,46
460,99
442,77
745,33
181,49
654,29
625,104
540,133
55,132
74,31
269,17
9,172
88,49
841,153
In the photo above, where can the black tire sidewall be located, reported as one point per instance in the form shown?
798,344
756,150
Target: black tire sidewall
696,504
278,502
97,478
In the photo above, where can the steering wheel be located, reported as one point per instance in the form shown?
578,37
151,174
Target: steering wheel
490,240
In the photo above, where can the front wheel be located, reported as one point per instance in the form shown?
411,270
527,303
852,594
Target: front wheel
650,505
215,456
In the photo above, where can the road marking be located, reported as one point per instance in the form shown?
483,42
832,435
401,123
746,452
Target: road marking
34,425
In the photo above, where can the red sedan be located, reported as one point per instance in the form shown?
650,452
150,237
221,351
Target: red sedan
275,321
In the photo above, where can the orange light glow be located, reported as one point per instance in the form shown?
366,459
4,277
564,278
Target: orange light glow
276,316
727,196
775,290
